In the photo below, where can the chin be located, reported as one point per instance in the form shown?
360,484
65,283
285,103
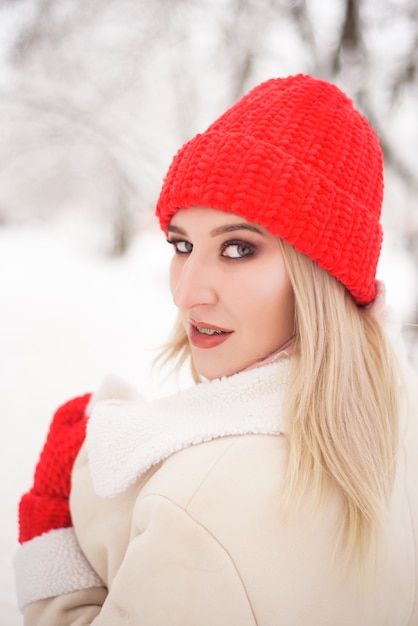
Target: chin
212,372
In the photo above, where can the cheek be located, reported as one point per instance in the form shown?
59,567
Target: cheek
271,283
173,274
271,299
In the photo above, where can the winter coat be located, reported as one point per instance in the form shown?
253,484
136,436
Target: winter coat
177,522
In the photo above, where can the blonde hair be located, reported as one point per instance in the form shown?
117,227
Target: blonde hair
341,405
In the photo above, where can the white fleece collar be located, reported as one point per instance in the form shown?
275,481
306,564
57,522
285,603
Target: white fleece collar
125,438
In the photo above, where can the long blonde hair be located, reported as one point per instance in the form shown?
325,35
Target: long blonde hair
341,407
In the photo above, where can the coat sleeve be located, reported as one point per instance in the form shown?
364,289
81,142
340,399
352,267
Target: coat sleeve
174,572
78,608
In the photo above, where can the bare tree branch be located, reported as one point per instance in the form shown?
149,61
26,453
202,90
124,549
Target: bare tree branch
351,41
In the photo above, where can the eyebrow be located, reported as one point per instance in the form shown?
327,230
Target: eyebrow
220,230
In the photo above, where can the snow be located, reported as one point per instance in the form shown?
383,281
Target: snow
69,317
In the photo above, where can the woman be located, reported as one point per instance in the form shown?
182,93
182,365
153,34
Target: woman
281,489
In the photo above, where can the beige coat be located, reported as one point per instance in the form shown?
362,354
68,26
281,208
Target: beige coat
180,520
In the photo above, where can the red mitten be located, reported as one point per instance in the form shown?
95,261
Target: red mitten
45,506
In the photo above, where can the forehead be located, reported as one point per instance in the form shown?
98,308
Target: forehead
204,218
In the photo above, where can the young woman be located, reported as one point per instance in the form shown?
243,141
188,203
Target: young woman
281,488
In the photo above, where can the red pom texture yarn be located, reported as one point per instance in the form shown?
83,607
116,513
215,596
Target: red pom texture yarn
45,506
295,156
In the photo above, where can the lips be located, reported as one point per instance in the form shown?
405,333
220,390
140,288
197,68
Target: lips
204,335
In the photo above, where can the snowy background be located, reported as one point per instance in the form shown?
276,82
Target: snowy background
94,100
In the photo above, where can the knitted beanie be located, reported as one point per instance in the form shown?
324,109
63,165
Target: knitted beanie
296,157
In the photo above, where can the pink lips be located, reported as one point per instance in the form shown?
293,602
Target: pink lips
203,340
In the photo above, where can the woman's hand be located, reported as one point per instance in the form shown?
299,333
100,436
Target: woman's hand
45,506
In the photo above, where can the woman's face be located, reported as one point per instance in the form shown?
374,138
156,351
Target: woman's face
229,282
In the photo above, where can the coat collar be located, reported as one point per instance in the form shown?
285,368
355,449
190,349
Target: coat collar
125,438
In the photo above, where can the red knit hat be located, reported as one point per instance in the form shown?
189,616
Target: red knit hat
294,156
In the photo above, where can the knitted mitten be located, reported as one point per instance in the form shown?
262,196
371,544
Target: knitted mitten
50,561
45,506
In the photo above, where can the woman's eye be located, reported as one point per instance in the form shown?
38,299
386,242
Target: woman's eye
237,250
182,247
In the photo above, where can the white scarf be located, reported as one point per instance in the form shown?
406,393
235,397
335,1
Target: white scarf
125,438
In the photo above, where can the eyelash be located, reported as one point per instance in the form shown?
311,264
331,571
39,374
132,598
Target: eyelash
175,243
227,244
238,244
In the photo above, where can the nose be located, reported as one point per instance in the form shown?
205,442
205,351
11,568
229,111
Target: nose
192,282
